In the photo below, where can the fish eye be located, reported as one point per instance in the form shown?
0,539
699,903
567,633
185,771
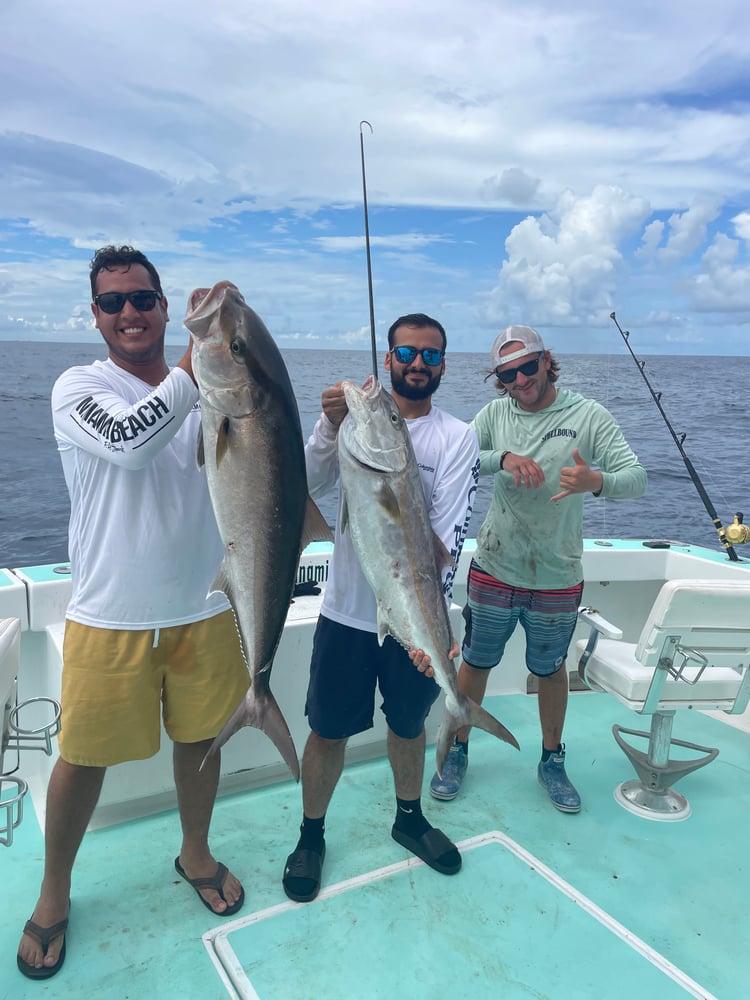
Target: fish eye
394,418
235,347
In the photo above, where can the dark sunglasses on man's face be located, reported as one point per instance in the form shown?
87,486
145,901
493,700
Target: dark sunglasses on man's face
143,300
405,355
527,368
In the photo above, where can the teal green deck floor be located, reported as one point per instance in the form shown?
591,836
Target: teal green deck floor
548,905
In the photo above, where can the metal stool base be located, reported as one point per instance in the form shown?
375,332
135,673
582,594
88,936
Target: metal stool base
664,806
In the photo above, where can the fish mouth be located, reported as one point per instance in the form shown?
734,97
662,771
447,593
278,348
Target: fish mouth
366,394
369,389
197,296
204,302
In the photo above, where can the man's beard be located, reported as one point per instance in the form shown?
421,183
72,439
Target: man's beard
414,392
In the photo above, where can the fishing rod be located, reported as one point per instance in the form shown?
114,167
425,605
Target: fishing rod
367,249
739,530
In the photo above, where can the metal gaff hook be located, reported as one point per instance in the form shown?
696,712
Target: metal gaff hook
367,250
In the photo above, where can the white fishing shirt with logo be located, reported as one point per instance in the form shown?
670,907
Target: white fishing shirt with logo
143,543
448,458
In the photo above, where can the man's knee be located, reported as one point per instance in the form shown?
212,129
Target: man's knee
326,742
557,675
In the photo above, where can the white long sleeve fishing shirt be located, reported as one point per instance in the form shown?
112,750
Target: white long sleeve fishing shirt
448,459
143,543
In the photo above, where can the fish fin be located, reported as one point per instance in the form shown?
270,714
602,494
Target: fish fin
260,710
471,714
446,734
222,440
388,500
442,555
277,730
344,515
383,629
482,719
222,583
315,528
200,454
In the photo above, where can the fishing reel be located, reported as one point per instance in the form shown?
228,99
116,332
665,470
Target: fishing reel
737,533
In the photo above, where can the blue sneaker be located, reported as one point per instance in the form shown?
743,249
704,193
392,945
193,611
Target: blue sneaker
454,769
552,776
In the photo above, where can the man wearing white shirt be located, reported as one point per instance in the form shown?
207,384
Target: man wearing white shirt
141,636
347,661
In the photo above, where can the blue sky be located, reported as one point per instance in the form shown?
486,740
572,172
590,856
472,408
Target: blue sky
542,164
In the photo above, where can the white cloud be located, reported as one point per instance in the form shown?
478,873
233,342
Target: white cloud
398,241
652,237
687,230
514,186
722,287
560,268
227,145
741,224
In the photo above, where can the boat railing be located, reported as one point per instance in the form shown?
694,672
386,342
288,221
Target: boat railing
623,578
15,738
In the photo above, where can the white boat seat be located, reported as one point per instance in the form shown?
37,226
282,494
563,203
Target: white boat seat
693,653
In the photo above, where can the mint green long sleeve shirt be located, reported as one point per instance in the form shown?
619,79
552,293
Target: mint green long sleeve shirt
526,540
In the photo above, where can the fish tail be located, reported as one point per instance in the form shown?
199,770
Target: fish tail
234,723
275,727
446,734
468,714
482,719
260,710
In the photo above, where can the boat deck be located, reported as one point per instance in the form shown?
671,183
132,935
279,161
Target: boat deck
547,905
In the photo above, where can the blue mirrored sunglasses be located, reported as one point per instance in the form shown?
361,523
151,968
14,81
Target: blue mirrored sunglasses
432,356
144,300
527,368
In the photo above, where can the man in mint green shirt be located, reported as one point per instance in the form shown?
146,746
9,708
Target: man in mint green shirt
546,447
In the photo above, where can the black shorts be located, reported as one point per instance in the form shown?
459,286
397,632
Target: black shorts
346,664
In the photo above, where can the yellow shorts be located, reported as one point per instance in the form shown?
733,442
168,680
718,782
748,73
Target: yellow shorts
115,683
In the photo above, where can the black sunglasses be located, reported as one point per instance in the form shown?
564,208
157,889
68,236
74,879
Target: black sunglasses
143,300
405,355
527,368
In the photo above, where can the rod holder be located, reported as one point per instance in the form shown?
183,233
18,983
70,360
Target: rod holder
11,809
32,739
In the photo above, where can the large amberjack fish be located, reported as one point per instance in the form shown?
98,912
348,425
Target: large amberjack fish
252,447
386,515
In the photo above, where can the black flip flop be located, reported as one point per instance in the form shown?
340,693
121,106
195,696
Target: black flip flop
216,881
44,935
433,847
306,867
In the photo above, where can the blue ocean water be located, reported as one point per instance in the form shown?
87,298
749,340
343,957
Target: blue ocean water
703,397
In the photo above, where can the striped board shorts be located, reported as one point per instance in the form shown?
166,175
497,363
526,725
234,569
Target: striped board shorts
548,617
